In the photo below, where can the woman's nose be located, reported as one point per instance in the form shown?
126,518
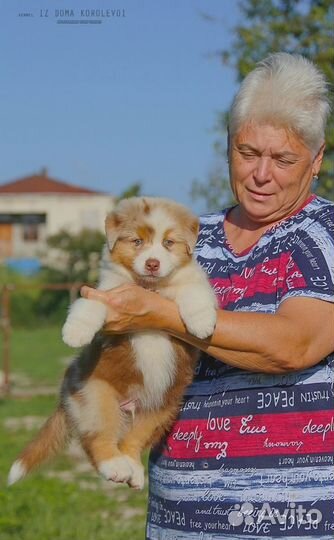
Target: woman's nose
262,172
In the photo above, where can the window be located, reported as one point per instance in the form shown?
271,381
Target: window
30,232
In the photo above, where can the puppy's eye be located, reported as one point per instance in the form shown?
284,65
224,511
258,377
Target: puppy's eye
168,243
137,241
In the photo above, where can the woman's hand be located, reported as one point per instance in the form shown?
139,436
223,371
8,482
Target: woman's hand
130,308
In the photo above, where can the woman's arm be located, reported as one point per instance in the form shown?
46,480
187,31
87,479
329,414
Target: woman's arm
298,336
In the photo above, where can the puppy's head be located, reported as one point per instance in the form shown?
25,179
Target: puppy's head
151,238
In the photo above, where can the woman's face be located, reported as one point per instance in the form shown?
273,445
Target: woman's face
271,172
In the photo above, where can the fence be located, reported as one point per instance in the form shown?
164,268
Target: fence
6,326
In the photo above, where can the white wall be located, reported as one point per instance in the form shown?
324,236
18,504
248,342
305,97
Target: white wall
22,248
70,212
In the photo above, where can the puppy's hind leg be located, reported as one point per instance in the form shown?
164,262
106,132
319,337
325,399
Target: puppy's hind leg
100,424
148,428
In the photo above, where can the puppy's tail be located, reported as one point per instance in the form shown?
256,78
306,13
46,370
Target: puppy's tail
48,442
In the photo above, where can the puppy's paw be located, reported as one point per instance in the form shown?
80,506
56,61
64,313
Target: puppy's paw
117,469
137,480
200,322
77,333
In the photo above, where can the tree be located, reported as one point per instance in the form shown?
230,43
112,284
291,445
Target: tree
216,190
72,258
295,26
76,256
132,191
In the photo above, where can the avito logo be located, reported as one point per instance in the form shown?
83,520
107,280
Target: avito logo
241,514
292,515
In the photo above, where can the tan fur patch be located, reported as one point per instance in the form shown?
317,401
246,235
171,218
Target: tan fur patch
124,254
145,232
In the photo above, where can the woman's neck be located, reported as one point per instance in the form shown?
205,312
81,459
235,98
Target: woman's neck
241,231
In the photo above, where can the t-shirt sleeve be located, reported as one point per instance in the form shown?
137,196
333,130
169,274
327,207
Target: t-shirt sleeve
309,263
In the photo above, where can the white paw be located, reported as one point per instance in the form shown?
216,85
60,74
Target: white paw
77,333
85,318
200,322
137,480
117,469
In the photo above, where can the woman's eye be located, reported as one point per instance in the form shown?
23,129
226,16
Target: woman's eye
284,163
168,243
137,241
247,155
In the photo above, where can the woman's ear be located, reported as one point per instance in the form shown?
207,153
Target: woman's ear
317,161
112,223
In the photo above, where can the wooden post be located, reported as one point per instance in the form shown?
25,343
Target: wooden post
74,292
5,320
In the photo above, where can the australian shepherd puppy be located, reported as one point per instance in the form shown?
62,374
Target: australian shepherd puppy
123,392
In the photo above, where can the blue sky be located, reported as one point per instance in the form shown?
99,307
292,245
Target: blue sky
105,105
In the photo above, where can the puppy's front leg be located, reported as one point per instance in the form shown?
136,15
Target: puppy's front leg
198,308
85,318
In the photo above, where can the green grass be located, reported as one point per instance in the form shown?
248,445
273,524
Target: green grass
39,354
52,510
59,501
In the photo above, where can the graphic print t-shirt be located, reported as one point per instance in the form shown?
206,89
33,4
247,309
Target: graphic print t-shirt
251,455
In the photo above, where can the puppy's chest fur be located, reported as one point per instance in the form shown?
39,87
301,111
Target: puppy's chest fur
155,358
148,368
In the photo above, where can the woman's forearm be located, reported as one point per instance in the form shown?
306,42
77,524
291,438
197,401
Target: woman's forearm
296,337
250,341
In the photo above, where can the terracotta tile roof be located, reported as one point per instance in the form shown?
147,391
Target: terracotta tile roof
41,183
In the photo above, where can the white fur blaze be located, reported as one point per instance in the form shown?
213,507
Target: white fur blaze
16,472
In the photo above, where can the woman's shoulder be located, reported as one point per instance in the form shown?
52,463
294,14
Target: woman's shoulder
318,215
319,205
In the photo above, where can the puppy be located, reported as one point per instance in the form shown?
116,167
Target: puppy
123,392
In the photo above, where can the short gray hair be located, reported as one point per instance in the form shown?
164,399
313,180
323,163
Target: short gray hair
286,90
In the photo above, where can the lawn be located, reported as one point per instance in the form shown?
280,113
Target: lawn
65,499
39,355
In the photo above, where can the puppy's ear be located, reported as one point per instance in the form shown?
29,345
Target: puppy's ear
112,224
191,234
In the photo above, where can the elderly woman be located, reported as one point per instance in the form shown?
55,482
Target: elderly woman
251,454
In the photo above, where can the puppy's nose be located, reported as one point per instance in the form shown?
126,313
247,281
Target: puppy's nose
152,265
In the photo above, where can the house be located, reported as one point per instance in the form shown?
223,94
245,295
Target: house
37,206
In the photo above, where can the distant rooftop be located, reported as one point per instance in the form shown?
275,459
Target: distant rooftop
42,183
